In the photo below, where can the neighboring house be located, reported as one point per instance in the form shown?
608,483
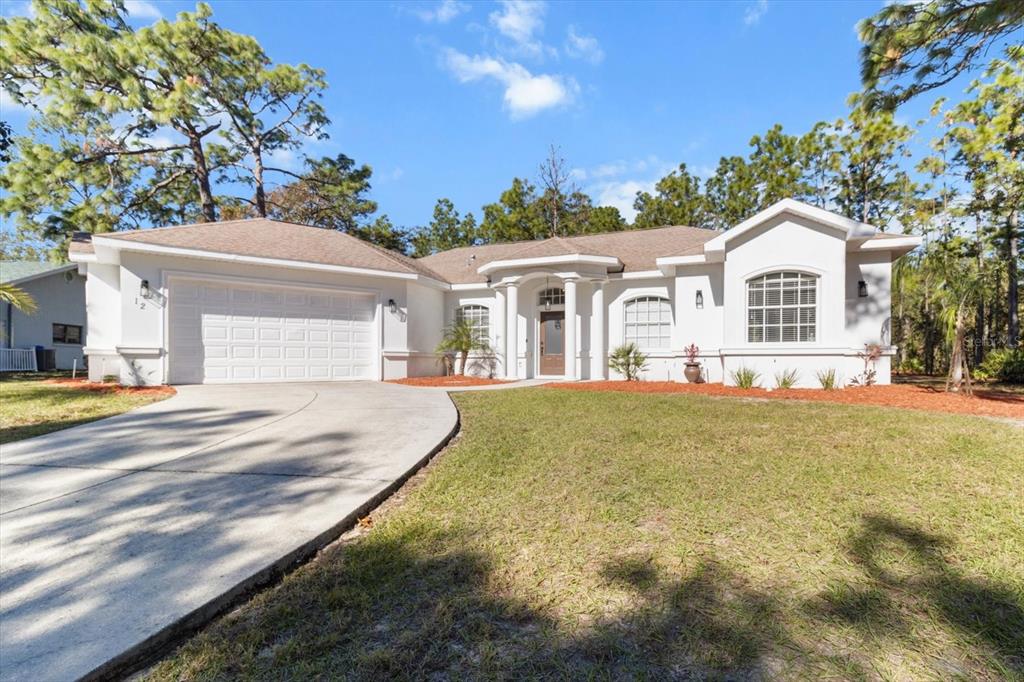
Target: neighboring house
794,287
59,321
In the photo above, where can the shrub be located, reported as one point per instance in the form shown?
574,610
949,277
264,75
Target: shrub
911,366
460,339
744,377
827,378
786,379
1004,364
628,361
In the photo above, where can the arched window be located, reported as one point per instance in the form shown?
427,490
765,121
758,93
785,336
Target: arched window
782,307
648,322
550,297
479,318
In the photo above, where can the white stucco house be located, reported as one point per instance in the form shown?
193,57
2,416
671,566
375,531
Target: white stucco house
59,321
794,287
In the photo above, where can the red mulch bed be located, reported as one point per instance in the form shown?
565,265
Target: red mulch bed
451,381
97,387
983,402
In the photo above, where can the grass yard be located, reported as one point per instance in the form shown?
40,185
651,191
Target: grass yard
31,404
575,534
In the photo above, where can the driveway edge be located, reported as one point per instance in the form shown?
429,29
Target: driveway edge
154,647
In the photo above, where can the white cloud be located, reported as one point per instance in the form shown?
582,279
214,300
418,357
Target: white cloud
583,46
525,93
444,12
520,21
287,159
142,9
8,105
754,12
621,195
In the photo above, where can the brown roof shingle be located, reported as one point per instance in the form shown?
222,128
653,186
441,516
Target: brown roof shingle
264,238
636,249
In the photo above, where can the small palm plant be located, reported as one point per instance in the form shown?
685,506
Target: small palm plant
628,361
461,338
828,379
744,377
786,379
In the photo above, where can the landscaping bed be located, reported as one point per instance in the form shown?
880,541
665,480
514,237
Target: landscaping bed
987,403
569,534
31,405
453,381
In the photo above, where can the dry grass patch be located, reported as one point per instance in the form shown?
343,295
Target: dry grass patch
574,534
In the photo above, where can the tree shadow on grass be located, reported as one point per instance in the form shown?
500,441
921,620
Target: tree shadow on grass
988,613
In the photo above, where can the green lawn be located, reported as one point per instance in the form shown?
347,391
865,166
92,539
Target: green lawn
31,407
601,535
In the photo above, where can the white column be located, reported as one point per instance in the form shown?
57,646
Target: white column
512,332
500,318
597,333
570,329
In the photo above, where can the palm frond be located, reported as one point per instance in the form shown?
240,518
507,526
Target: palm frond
17,297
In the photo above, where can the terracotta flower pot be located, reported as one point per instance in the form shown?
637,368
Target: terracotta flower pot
692,372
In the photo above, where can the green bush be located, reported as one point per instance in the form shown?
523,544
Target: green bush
744,377
628,361
1004,364
911,366
786,379
827,378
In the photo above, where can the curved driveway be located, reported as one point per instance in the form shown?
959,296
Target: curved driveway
115,534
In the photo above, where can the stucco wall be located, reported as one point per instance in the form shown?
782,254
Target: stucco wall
867,319
59,301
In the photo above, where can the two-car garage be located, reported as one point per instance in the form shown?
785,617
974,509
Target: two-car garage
237,331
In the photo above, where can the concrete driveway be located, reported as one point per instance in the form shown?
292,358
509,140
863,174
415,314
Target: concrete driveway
115,534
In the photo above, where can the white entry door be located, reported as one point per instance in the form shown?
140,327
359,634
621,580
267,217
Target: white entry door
220,332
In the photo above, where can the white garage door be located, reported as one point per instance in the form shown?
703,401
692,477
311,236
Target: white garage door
226,332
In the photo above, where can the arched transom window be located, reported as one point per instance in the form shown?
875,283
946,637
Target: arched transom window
550,297
648,322
782,307
478,317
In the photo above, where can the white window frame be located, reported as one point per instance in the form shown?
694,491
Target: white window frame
804,306
554,295
663,322
479,317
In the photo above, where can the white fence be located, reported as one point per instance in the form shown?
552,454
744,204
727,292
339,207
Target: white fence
17,360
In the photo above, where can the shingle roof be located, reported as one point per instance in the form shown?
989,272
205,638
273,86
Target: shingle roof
264,238
636,249
15,270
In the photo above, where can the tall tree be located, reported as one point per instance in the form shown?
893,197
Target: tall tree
447,230
732,192
331,193
677,200
777,166
820,160
557,186
871,179
516,216
929,44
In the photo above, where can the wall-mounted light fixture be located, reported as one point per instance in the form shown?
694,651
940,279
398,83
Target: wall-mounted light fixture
699,299
144,288
862,289
392,306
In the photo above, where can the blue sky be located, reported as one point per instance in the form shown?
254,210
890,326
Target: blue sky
455,98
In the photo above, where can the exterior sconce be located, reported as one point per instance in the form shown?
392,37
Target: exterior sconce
144,288
862,289
392,306
699,299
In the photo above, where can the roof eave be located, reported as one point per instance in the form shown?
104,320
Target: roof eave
543,261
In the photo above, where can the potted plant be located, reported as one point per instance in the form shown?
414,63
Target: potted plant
692,371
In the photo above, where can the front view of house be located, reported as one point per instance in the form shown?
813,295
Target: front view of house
792,288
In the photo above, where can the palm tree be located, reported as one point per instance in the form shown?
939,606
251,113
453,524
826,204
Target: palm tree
960,285
17,297
462,338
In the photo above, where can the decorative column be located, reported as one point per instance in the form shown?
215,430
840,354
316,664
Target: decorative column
569,334
512,332
500,317
598,360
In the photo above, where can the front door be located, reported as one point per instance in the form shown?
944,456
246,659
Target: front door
552,355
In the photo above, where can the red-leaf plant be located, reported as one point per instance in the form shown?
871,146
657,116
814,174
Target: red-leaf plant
692,351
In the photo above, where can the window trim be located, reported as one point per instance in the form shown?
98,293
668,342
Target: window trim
818,278
483,330
63,339
556,301
670,323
